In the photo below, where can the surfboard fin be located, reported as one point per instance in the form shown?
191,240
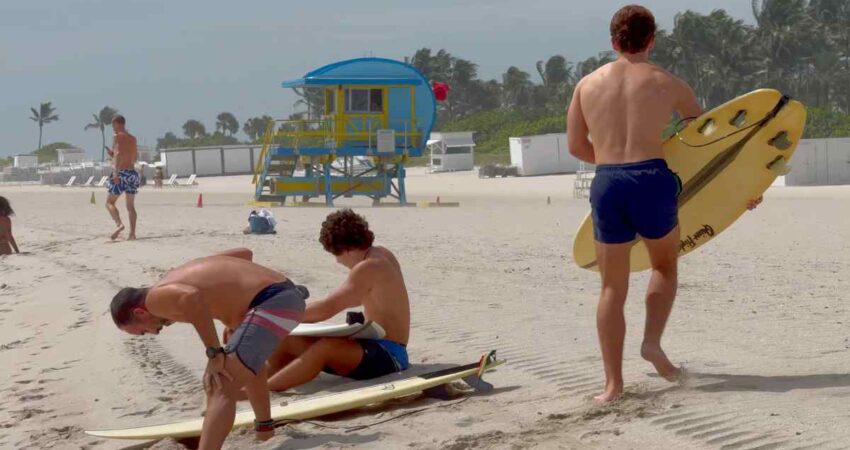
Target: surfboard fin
779,166
781,141
739,119
476,381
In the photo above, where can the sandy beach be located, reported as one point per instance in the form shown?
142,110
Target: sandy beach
760,323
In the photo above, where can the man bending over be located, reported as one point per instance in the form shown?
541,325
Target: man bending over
262,307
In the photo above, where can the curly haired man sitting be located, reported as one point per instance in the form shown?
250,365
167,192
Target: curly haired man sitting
374,282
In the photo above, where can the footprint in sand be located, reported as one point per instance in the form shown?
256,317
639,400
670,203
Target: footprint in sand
54,369
28,413
14,344
145,413
53,436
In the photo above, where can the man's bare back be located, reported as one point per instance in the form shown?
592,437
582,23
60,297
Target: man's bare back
386,302
624,106
226,284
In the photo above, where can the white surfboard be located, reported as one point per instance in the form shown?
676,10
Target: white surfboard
324,405
366,330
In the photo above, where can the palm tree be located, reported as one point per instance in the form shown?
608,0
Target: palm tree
43,115
833,19
785,32
255,127
311,97
587,66
557,77
516,86
101,120
194,129
227,123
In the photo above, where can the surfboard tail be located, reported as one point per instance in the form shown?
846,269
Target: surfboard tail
487,361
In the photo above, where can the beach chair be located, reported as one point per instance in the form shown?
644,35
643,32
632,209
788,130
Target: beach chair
88,182
71,181
189,182
102,181
170,181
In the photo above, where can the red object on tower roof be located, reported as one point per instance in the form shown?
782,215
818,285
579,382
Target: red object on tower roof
441,90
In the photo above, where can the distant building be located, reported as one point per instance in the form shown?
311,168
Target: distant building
211,160
451,151
820,162
543,154
71,155
146,154
25,161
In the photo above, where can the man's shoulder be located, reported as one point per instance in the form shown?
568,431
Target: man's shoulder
371,267
124,135
666,75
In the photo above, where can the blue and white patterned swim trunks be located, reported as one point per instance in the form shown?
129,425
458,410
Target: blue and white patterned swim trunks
128,183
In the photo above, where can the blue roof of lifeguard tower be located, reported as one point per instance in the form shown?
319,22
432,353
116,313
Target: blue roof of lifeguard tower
393,74
362,71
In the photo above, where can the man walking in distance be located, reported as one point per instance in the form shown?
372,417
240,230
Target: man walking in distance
124,179
624,106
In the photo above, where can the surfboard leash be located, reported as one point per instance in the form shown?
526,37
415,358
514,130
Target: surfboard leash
763,121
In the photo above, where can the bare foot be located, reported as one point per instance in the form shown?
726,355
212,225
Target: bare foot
663,366
610,395
131,237
117,232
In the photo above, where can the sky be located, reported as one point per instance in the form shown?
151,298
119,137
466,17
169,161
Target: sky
162,62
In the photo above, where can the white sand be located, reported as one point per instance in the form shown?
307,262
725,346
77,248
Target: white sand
761,321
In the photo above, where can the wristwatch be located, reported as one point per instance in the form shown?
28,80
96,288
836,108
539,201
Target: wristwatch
212,351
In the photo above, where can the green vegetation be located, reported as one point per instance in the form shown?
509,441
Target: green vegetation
226,126
495,127
48,152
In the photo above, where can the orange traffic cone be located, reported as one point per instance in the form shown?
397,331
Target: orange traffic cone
200,200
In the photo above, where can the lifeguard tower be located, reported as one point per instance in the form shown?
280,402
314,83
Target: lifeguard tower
377,113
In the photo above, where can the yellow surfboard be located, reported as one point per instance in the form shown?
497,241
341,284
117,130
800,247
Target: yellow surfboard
726,157
324,405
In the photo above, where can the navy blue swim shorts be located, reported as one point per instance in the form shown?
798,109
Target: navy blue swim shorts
634,199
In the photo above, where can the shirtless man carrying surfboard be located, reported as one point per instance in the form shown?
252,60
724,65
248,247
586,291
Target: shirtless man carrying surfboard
623,107
374,282
260,304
